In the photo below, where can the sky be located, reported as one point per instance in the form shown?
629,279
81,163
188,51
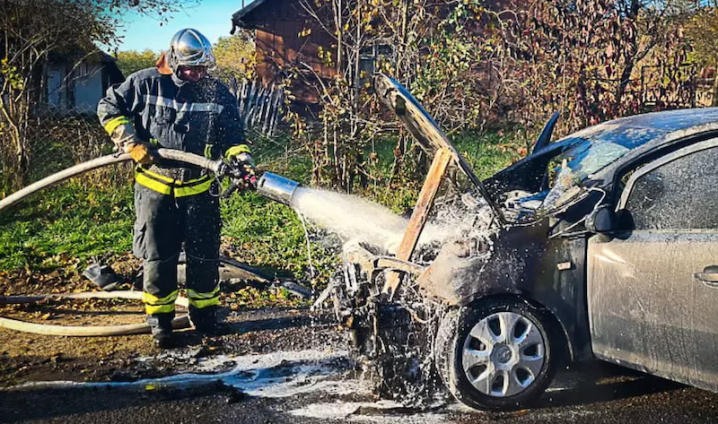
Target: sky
211,17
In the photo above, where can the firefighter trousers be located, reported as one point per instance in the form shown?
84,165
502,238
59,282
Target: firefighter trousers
164,225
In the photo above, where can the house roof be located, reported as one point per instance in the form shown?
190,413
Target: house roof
242,18
106,58
78,53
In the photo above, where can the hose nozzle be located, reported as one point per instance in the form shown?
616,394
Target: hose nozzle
277,188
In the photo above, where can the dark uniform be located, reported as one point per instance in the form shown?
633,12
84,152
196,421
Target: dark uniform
177,204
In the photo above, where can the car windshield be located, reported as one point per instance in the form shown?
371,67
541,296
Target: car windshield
597,147
590,151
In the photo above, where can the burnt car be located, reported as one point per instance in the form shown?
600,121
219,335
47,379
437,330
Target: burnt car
600,245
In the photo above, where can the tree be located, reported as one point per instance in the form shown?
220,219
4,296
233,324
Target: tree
235,58
33,30
702,30
131,61
429,46
472,60
584,58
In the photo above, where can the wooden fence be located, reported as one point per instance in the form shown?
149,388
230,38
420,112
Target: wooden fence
261,106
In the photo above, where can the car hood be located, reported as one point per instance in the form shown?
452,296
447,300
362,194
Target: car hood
425,130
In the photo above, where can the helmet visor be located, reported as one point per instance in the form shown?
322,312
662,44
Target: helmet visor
192,73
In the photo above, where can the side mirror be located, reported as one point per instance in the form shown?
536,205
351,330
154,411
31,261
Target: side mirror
601,220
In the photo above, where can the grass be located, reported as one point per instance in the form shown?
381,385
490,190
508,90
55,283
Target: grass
69,225
270,236
489,153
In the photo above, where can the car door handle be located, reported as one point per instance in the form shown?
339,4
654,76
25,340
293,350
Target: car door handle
708,277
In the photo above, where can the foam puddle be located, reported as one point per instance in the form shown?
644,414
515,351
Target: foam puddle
294,373
383,412
274,375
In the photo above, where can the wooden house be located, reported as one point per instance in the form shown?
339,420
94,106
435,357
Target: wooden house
285,38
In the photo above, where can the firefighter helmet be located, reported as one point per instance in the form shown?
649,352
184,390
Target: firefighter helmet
189,48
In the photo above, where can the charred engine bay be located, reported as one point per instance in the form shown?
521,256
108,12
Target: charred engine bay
395,338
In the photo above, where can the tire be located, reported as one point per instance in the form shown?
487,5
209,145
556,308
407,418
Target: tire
509,373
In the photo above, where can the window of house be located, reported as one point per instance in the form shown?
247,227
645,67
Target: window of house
82,70
369,57
680,195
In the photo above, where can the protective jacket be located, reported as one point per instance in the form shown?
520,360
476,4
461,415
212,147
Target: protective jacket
200,118
174,207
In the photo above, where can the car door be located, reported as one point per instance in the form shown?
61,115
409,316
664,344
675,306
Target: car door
652,296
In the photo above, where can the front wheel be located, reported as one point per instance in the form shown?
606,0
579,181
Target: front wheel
496,355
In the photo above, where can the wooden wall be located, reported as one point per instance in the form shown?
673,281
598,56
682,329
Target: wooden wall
280,46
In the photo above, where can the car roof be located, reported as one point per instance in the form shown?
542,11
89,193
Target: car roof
658,127
646,133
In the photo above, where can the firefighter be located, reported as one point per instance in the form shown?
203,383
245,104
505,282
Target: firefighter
177,105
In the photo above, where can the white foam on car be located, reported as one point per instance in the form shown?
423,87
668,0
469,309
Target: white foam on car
273,375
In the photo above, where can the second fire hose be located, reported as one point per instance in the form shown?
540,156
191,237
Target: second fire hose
270,185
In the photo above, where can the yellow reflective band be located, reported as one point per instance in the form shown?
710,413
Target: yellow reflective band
154,175
151,299
154,185
196,295
208,150
153,141
161,309
195,181
167,185
113,123
204,303
157,176
235,150
183,190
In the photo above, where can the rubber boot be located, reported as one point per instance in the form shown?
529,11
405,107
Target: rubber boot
161,326
206,323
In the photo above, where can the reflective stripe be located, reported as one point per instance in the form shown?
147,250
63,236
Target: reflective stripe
167,186
182,107
204,303
208,150
151,299
113,123
161,309
183,191
196,295
153,141
159,305
155,175
170,180
203,300
154,185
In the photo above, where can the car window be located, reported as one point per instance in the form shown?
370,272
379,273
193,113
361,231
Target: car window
597,147
682,194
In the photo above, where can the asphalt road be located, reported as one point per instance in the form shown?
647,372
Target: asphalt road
639,401
307,379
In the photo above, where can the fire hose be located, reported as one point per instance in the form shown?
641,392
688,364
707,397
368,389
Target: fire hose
218,167
85,331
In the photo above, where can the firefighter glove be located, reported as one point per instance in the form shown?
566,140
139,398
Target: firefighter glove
241,156
139,152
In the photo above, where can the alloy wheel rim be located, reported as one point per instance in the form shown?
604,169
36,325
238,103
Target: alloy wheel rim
503,354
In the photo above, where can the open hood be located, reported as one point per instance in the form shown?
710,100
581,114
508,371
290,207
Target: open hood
423,127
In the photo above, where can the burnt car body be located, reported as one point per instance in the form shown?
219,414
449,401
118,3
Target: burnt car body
604,244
